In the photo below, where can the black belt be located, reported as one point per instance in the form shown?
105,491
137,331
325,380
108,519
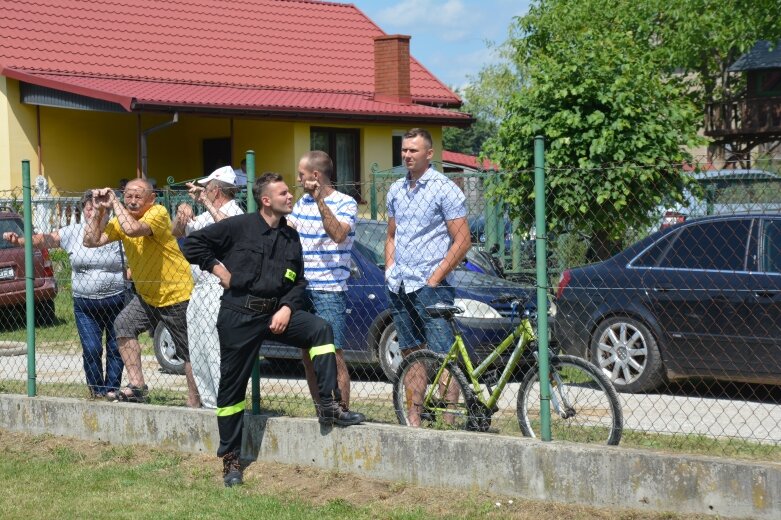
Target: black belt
254,303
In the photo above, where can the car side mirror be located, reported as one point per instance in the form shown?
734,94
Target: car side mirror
355,271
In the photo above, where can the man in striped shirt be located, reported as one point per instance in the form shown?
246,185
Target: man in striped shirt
325,221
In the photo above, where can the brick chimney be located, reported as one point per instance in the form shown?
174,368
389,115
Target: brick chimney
391,68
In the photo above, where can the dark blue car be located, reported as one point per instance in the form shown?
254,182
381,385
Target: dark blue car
371,335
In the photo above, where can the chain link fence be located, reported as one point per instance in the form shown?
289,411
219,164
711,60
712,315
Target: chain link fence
681,310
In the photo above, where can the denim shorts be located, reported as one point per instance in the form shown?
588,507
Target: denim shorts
413,324
332,307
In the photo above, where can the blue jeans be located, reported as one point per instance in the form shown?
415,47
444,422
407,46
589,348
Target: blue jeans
93,318
332,307
413,324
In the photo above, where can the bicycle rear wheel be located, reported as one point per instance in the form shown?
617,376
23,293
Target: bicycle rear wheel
441,404
584,406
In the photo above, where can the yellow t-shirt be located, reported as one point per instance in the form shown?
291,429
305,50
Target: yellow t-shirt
160,272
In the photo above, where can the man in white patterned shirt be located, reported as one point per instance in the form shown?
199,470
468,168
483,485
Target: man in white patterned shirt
325,221
217,193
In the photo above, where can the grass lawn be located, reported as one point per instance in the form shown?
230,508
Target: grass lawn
51,477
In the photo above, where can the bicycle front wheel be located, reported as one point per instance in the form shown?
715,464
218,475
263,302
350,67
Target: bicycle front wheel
584,406
423,399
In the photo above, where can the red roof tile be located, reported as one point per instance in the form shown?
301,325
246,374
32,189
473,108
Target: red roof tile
286,54
194,97
470,161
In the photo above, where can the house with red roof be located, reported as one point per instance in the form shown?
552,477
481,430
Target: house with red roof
99,90
455,162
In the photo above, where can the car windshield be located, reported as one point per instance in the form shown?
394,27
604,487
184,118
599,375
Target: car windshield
370,240
12,225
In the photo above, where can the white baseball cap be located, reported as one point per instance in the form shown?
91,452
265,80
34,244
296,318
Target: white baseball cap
224,174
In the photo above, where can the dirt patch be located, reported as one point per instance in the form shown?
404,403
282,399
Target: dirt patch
321,487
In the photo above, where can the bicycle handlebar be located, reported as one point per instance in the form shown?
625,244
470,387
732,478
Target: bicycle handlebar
508,298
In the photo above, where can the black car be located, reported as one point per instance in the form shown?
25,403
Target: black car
698,299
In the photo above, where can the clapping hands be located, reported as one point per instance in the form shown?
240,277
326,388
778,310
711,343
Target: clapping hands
103,198
197,193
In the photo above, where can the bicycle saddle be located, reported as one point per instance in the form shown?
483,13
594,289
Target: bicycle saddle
443,310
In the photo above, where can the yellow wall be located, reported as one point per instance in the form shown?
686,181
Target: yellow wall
83,149
177,150
18,137
272,142
5,150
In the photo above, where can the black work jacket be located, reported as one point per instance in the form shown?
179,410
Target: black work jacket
260,265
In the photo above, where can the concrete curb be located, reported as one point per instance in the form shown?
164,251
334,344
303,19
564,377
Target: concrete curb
13,348
599,476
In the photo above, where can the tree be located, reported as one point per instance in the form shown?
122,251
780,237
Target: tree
482,99
468,140
702,38
615,122
702,47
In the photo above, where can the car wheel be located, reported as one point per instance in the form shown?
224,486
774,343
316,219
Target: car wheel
628,354
388,351
44,313
165,351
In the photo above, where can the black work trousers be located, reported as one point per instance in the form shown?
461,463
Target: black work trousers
241,335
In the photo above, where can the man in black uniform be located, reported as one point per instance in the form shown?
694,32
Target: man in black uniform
258,259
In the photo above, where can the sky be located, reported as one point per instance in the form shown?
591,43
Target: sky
448,36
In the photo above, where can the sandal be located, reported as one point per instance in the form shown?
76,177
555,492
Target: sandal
138,394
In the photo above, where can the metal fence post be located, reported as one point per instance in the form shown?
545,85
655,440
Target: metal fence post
29,277
500,234
251,208
542,285
490,226
516,245
373,192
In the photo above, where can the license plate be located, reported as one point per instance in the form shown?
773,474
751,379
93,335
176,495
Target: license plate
7,273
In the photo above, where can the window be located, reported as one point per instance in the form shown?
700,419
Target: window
13,226
343,145
216,153
652,255
719,245
396,146
767,82
771,247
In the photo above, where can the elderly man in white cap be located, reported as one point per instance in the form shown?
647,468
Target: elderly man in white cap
217,193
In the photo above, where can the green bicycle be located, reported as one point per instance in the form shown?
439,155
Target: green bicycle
446,392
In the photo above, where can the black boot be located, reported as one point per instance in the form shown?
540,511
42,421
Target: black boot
329,412
232,473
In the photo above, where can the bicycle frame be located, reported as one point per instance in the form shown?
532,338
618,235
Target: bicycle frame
461,395
521,336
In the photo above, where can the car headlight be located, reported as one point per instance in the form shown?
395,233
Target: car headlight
476,309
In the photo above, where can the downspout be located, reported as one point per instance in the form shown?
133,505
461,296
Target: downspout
138,145
231,143
144,134
40,148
